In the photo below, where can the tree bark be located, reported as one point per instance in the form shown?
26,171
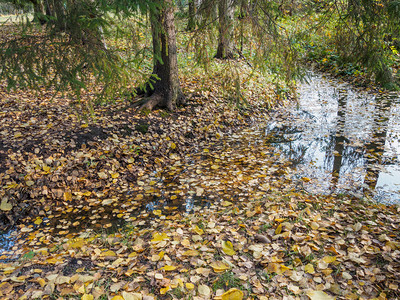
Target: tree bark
225,16
192,15
38,11
166,90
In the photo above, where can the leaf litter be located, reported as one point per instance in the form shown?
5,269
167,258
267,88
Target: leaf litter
184,205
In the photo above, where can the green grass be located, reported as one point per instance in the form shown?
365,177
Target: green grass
226,281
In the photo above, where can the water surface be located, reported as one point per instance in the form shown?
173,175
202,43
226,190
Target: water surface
343,139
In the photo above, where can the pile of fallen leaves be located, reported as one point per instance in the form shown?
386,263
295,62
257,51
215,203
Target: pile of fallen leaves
278,246
185,205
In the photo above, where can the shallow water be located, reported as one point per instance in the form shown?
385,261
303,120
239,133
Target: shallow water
342,139
337,139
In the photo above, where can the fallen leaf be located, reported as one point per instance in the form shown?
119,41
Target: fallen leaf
219,266
232,294
204,290
319,295
227,247
5,205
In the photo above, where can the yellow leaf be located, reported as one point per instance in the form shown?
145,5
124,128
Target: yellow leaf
278,230
214,167
41,281
306,179
114,175
67,196
206,150
219,266
283,269
108,253
5,206
280,220
314,225
227,247
226,203
191,253
172,146
159,237
38,221
329,259
87,297
17,134
232,294
189,286
168,268
198,230
309,268
319,295
46,168
164,290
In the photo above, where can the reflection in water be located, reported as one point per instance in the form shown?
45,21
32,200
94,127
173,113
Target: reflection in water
339,139
345,140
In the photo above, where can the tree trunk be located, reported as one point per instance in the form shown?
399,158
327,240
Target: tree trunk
166,91
59,10
192,15
225,15
38,11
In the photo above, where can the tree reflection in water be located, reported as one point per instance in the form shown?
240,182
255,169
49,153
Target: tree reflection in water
338,138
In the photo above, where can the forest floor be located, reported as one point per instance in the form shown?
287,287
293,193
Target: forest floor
181,205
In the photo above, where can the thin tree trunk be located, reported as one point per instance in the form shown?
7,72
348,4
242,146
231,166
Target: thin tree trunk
225,15
192,15
166,90
38,11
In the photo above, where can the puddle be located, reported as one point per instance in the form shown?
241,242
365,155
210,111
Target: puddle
343,139
337,139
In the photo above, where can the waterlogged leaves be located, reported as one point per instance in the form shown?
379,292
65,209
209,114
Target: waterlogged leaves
195,226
